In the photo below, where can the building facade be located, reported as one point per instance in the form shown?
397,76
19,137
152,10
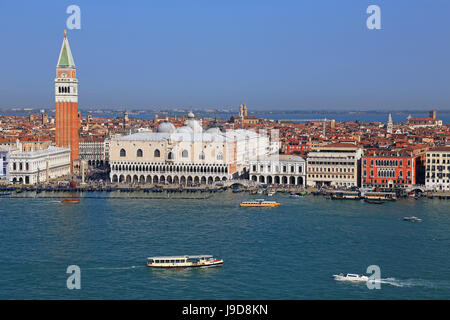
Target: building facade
431,121
93,151
437,173
66,101
336,164
4,164
39,166
389,169
186,155
279,169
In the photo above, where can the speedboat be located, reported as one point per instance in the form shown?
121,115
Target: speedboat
70,201
412,219
199,261
259,203
350,277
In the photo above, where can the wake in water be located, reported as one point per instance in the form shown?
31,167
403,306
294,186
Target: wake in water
409,282
114,268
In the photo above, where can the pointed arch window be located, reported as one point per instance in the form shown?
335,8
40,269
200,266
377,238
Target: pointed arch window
157,153
123,153
201,156
220,156
185,154
139,153
170,156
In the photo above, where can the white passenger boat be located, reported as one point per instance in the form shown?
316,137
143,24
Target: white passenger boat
198,261
351,277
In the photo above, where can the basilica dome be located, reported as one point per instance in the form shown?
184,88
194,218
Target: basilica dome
166,127
193,124
185,129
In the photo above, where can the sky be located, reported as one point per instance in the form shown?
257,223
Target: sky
271,55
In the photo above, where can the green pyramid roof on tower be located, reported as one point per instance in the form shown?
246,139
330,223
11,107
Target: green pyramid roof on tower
65,55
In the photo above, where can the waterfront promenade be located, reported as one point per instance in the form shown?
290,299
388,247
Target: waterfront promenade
158,191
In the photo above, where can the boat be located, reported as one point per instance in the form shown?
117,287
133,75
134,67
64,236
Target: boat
70,201
5,194
373,201
259,203
342,195
175,262
412,219
297,195
388,196
350,277
270,193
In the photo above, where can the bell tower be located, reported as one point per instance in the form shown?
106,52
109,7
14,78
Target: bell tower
66,100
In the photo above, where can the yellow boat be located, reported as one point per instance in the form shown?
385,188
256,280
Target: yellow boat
259,203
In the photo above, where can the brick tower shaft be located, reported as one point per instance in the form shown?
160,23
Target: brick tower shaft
66,102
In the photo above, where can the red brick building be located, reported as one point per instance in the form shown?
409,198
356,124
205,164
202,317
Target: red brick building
391,169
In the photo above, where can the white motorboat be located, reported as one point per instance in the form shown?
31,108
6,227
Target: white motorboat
350,277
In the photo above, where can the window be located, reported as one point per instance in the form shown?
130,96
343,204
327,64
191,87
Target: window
123,153
220,156
157,153
201,156
139,153
185,154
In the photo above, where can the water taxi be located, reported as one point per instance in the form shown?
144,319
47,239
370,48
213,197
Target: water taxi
259,203
70,201
198,261
350,277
